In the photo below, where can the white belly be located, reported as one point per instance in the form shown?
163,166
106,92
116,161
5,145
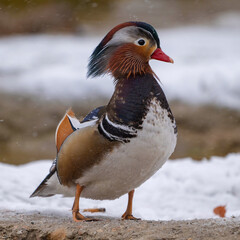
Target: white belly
131,164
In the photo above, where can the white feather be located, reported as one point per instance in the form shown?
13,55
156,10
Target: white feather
121,126
77,125
124,35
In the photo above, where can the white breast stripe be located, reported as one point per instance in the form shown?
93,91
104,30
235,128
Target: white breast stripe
131,130
110,136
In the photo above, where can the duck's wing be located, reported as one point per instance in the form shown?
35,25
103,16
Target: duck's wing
95,114
66,127
70,123
83,149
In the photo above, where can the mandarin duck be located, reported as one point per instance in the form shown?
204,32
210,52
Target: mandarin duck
116,147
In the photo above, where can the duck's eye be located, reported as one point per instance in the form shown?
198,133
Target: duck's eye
141,42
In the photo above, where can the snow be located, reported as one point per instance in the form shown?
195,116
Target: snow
182,189
206,69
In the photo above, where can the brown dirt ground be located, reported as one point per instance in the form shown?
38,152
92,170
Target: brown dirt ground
27,128
34,225
83,16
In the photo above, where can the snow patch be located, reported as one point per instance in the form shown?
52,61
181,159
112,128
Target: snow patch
206,68
182,189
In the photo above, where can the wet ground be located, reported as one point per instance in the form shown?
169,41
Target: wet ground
27,128
34,225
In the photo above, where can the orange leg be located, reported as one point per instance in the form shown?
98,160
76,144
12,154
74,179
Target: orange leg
93,210
77,216
128,213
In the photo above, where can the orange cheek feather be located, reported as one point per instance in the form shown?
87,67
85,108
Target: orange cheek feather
129,60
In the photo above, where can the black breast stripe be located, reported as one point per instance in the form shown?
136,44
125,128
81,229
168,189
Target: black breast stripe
116,132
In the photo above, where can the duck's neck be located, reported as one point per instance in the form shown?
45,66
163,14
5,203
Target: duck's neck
131,100
129,106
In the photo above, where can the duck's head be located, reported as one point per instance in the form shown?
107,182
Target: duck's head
126,50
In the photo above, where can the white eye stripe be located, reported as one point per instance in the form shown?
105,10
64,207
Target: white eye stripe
122,36
126,35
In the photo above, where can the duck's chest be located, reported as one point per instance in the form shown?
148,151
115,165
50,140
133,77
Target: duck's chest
159,131
132,163
154,144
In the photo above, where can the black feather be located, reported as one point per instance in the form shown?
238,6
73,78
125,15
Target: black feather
42,185
93,114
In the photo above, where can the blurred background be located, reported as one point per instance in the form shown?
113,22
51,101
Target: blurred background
45,46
